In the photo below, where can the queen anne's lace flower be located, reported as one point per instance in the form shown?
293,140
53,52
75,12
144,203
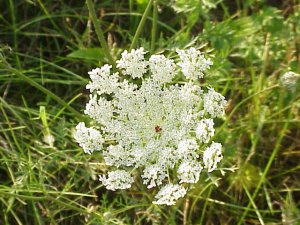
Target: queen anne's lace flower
150,125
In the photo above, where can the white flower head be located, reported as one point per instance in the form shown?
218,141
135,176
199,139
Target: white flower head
119,179
193,63
169,194
212,155
89,139
133,63
205,130
152,125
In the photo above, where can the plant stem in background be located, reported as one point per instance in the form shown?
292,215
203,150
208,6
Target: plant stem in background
141,24
99,32
205,205
154,26
186,210
14,29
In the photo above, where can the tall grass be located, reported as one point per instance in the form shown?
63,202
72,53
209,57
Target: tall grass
47,47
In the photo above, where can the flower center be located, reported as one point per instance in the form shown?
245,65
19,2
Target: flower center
157,129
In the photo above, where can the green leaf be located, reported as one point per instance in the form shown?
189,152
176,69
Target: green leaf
88,54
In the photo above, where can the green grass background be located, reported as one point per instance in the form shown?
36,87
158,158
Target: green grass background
47,48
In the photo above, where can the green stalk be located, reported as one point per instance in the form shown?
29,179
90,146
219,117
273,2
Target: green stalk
15,138
253,205
99,32
48,15
130,13
266,170
141,24
14,29
154,27
204,206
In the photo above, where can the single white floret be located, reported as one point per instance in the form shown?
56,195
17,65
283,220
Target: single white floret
189,171
163,69
169,194
133,63
102,81
214,103
89,139
193,63
205,130
119,179
212,155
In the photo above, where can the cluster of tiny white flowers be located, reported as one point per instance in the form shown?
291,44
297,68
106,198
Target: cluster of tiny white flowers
205,130
214,103
150,125
129,62
163,69
169,194
189,171
118,179
102,80
212,155
193,63
89,139
289,80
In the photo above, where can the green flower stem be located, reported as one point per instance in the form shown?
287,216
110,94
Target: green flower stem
154,27
205,205
141,24
99,32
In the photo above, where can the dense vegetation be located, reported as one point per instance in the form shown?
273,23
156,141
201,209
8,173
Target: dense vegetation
47,48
